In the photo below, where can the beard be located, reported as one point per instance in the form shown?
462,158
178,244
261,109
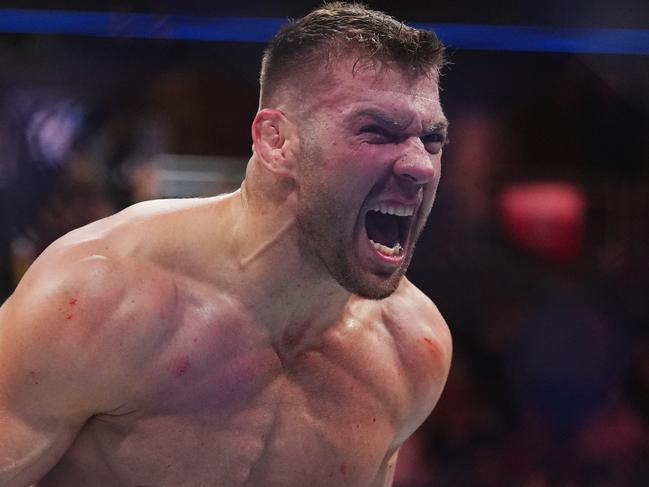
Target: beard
326,235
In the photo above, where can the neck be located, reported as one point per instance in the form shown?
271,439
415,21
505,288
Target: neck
292,294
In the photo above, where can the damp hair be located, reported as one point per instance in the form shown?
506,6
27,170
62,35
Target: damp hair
342,29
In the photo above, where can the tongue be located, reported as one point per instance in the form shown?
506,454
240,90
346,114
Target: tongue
382,228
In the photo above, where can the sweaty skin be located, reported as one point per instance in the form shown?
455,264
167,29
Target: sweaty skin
204,342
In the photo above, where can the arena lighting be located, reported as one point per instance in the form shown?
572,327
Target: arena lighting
261,29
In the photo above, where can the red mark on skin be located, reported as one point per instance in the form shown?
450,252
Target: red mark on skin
430,344
373,420
72,301
195,339
343,469
183,367
434,352
68,317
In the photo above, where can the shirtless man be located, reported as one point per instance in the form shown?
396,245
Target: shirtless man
262,338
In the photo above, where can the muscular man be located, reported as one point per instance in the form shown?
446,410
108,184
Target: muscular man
262,338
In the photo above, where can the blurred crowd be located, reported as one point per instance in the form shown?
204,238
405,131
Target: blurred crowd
540,269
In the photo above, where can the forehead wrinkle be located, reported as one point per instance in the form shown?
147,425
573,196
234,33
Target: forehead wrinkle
414,105
412,93
365,86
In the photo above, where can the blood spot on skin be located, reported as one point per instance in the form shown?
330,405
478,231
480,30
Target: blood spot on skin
430,345
68,316
32,374
343,469
183,367
195,339
72,301
373,420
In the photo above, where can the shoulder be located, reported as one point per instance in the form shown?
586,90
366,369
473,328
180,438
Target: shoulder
97,264
422,341
78,320
410,314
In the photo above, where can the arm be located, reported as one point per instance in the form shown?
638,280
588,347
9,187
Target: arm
51,378
385,475
424,345
31,447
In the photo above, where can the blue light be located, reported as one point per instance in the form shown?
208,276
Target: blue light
543,39
261,29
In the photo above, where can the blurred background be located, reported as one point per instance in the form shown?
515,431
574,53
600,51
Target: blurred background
536,251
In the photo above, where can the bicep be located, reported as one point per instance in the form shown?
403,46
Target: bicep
36,426
30,447
44,387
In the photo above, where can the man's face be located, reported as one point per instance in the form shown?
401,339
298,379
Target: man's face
370,150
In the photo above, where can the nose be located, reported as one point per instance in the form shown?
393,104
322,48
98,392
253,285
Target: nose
416,164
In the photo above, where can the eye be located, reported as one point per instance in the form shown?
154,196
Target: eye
379,135
434,142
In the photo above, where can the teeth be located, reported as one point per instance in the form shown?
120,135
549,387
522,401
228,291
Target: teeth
396,250
394,209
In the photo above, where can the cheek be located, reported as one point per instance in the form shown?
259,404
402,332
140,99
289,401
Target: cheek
368,162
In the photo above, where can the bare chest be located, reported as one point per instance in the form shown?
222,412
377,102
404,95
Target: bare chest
247,421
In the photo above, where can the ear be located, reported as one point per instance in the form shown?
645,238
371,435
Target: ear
273,140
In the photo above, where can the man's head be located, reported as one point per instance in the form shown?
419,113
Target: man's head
350,122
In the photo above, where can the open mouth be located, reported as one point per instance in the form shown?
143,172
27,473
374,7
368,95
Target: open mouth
388,227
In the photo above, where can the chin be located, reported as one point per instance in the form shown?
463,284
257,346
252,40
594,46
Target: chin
376,293
368,284
370,287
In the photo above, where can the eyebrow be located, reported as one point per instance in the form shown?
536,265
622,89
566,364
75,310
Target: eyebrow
381,117
441,125
401,124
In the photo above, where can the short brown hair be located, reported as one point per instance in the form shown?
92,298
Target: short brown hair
342,28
